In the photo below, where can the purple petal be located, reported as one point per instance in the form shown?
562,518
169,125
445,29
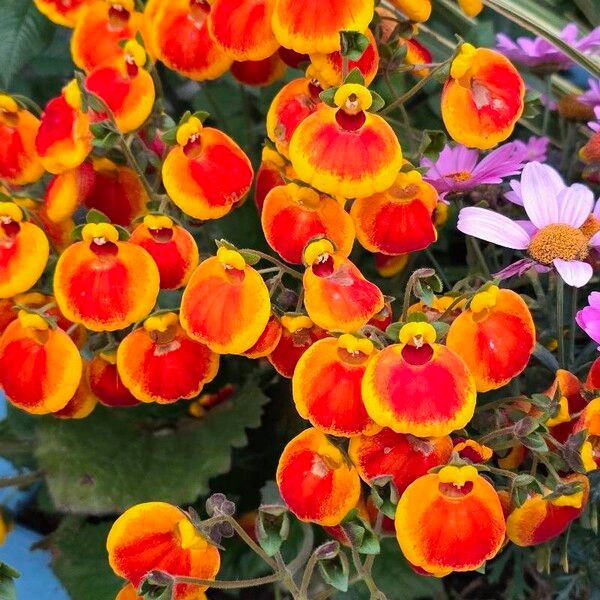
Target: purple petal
594,301
528,226
517,268
540,185
575,204
492,227
595,240
574,272
514,196
501,162
596,210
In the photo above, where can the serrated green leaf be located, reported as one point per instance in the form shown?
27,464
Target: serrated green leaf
80,560
24,33
115,461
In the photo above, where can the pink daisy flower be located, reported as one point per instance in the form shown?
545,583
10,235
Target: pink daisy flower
592,96
458,168
538,52
595,125
552,237
588,318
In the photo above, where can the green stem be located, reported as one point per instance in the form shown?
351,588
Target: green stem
413,90
548,101
365,575
20,480
308,573
560,320
483,440
438,268
251,543
228,585
572,327
549,466
278,263
286,577
474,242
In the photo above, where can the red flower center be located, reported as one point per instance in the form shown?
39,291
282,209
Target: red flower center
350,122
417,356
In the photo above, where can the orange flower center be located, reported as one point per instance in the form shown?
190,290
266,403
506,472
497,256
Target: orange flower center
460,176
558,241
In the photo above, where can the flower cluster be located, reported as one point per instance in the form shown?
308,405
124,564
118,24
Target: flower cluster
109,293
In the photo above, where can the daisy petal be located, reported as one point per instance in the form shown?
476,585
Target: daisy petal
595,240
540,186
574,272
492,227
515,195
594,301
575,204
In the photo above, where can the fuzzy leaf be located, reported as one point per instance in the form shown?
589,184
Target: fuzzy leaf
24,33
80,561
353,44
116,461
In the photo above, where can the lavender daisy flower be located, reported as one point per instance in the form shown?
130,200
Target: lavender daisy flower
538,52
595,125
588,318
592,96
552,237
458,168
534,150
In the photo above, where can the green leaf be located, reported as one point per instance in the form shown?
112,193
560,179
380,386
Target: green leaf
378,102
335,571
591,9
327,95
96,216
24,33
393,330
273,528
441,329
355,76
546,357
169,137
251,258
353,44
8,590
124,235
116,459
80,560
534,441
432,143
